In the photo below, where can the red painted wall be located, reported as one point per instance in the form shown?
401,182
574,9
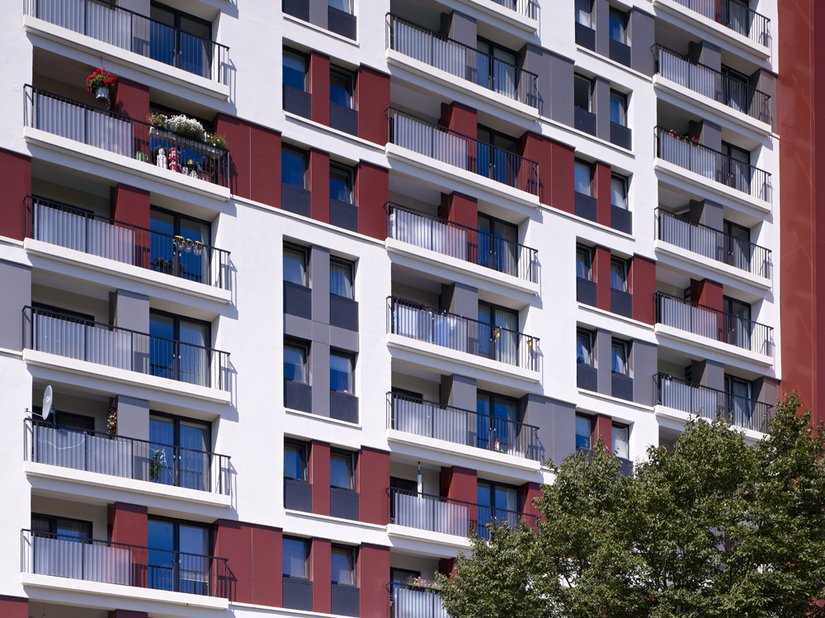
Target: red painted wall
459,208
603,428
321,559
16,180
129,524
14,607
319,185
603,212
373,476
539,149
319,87
530,491
601,273
642,281
372,192
708,293
319,477
373,576
255,159
460,118
461,484
131,99
562,192
132,206
372,92
254,557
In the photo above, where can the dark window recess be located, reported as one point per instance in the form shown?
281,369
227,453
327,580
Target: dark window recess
297,391
620,216
584,432
585,36
343,310
296,97
342,210
622,383
181,447
179,564
297,490
180,348
343,406
340,19
295,196
296,8
621,301
342,113
619,43
169,257
585,286
586,205
343,497
62,528
586,376
584,118
296,583
345,597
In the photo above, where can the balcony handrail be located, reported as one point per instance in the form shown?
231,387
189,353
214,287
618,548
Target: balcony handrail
531,255
421,307
29,226
518,515
760,109
527,8
529,97
759,34
469,160
759,336
221,487
218,51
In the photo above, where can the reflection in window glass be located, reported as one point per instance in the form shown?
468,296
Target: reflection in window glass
294,167
295,461
584,347
340,372
618,26
295,363
295,265
340,184
584,264
295,70
621,441
340,277
583,93
341,473
340,88
343,566
619,357
584,12
295,557
618,108
583,178
584,431
618,191
618,274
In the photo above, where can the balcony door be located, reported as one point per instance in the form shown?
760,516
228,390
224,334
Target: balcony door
497,68
736,167
178,556
180,40
180,246
497,504
179,452
58,546
498,245
738,325
496,156
735,89
740,402
498,333
495,424
180,348
738,240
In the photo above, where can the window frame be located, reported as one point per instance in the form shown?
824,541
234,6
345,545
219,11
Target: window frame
622,98
580,79
294,53
304,157
589,419
343,262
304,454
624,190
348,175
304,347
350,356
307,556
580,164
588,251
304,253
624,347
349,90
350,457
583,332
615,428
579,10
615,261
352,565
53,521
617,16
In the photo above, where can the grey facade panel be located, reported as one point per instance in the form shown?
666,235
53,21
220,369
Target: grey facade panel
603,352
561,103
319,275
644,360
320,376
587,377
297,102
708,214
621,219
343,503
343,118
586,291
133,418
343,313
17,293
585,121
536,60
586,206
621,386
297,495
601,24
297,593
621,135
460,299
345,600
298,396
642,38
318,13
296,199
297,300
130,310
556,421
342,214
601,107
621,303
708,373
459,392
586,37
341,22
298,327
343,407
296,8
620,52
460,27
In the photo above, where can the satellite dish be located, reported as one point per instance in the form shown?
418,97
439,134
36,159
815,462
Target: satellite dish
47,402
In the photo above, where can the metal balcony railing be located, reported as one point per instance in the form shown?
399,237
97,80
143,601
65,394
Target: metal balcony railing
463,61
713,244
128,565
137,33
711,403
713,165
734,15
72,337
129,458
124,136
713,84
459,426
462,334
75,228
431,140
707,322
462,242
415,602
527,8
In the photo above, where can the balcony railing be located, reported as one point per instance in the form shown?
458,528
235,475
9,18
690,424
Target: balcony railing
463,61
135,32
713,244
109,562
67,335
467,427
467,153
714,165
448,516
463,242
416,602
711,403
713,84
82,230
707,322
129,458
124,136
734,15
462,334
527,8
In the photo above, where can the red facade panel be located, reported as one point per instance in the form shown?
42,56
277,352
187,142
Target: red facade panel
459,118
459,208
373,483
372,91
255,159
16,180
254,561
132,99
319,87
539,149
14,607
562,166
461,484
603,211
601,273
642,280
372,192
133,206
373,575
319,185
603,430
707,293
530,491
319,477
129,524
321,561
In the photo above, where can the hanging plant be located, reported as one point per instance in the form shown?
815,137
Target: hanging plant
111,419
100,82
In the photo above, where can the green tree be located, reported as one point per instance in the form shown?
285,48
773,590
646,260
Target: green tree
712,528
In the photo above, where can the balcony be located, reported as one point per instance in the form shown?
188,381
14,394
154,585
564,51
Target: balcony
136,33
467,427
462,334
707,322
430,140
462,242
66,335
81,230
127,565
415,602
713,165
463,61
713,244
710,403
128,458
713,84
735,16
124,136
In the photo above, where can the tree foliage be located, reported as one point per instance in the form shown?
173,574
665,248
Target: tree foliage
712,528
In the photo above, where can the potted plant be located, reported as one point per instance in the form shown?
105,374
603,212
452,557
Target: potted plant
158,463
100,82
111,419
186,127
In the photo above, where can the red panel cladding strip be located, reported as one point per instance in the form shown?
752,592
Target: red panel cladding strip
319,185
373,575
319,87
459,208
319,477
14,607
642,282
562,159
372,191
16,180
373,99
321,560
603,210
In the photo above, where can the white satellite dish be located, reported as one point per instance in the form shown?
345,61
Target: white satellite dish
47,402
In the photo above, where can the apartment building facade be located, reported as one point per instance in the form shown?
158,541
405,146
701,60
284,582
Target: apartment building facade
316,290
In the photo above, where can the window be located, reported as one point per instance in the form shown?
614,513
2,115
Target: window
618,191
584,432
180,348
584,347
496,503
341,88
584,262
180,451
496,67
169,540
583,177
341,367
341,470
295,265
295,557
61,528
186,41
618,26
341,5
179,259
496,420
618,274
583,92
584,12
295,70
618,357
343,565
618,108
295,460
498,333
341,277
295,363
621,441
340,183
294,167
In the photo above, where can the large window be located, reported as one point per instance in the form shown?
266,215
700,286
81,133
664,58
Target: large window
621,441
341,277
498,333
618,191
340,183
583,92
294,167
343,565
618,108
295,557
618,26
584,262
180,348
497,503
341,88
62,528
341,5
619,357
180,39
584,347
495,423
295,265
295,70
180,451
618,274
583,177
189,260
341,469
584,432
341,369
295,362
178,556
295,460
